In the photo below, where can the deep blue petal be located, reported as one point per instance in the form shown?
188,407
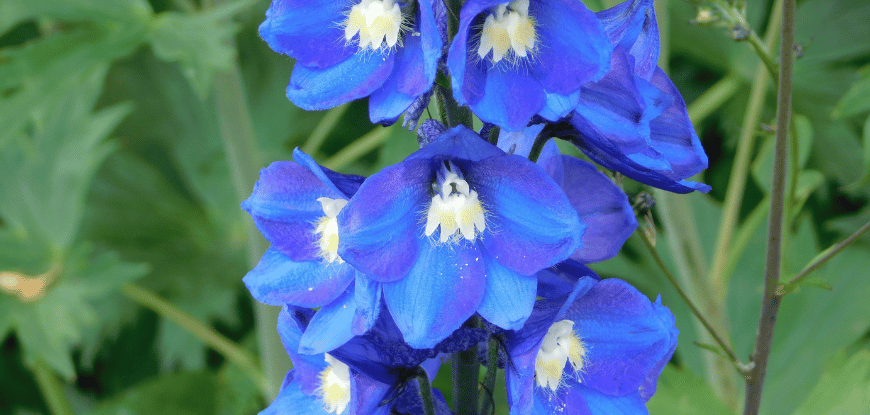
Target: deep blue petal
367,295
614,105
509,296
672,134
561,279
467,72
414,71
331,325
292,401
633,26
380,225
624,336
355,77
602,404
458,142
510,98
308,31
648,388
343,184
284,207
602,206
409,402
292,322
567,399
530,223
442,290
572,47
278,280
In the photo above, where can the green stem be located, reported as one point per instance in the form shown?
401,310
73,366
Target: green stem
323,128
824,257
240,146
51,389
740,169
227,348
700,316
735,17
466,372
773,265
425,392
451,113
713,98
360,147
486,407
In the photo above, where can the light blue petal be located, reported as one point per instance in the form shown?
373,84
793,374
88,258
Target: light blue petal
509,296
355,77
278,280
331,325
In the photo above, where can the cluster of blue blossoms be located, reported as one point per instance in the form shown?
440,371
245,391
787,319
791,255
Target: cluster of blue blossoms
380,278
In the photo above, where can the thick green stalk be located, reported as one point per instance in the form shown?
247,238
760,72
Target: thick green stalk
466,369
425,392
226,347
773,265
51,389
240,145
486,407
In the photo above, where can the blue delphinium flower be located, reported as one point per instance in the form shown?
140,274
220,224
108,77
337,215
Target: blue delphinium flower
294,205
513,60
387,50
601,205
634,120
458,227
596,351
363,377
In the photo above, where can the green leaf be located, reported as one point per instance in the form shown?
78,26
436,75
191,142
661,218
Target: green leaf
681,392
14,11
844,387
816,18
856,100
201,42
186,393
51,326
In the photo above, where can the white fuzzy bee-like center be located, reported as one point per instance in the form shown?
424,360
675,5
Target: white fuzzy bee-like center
334,389
326,229
377,22
455,207
508,29
561,345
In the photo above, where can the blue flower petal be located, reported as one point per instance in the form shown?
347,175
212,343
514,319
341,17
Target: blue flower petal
530,223
633,26
357,76
672,134
367,295
561,279
292,322
510,98
278,280
467,73
573,48
648,388
520,143
308,31
380,225
624,336
342,184
569,398
601,404
442,290
331,325
458,142
559,106
602,206
509,296
414,71
293,401
284,207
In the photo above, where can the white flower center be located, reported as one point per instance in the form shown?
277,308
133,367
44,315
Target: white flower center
334,387
327,229
561,345
454,206
509,28
376,21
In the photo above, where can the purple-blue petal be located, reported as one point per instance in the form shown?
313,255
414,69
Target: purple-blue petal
341,184
625,337
509,296
520,143
633,26
672,134
367,295
308,31
380,225
569,398
278,280
458,142
442,290
355,77
510,98
414,71
572,47
284,207
292,322
331,325
648,388
603,404
560,280
530,223
292,400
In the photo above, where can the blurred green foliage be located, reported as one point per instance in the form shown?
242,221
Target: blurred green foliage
115,170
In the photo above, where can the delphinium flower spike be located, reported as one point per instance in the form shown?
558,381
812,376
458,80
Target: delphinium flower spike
386,50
